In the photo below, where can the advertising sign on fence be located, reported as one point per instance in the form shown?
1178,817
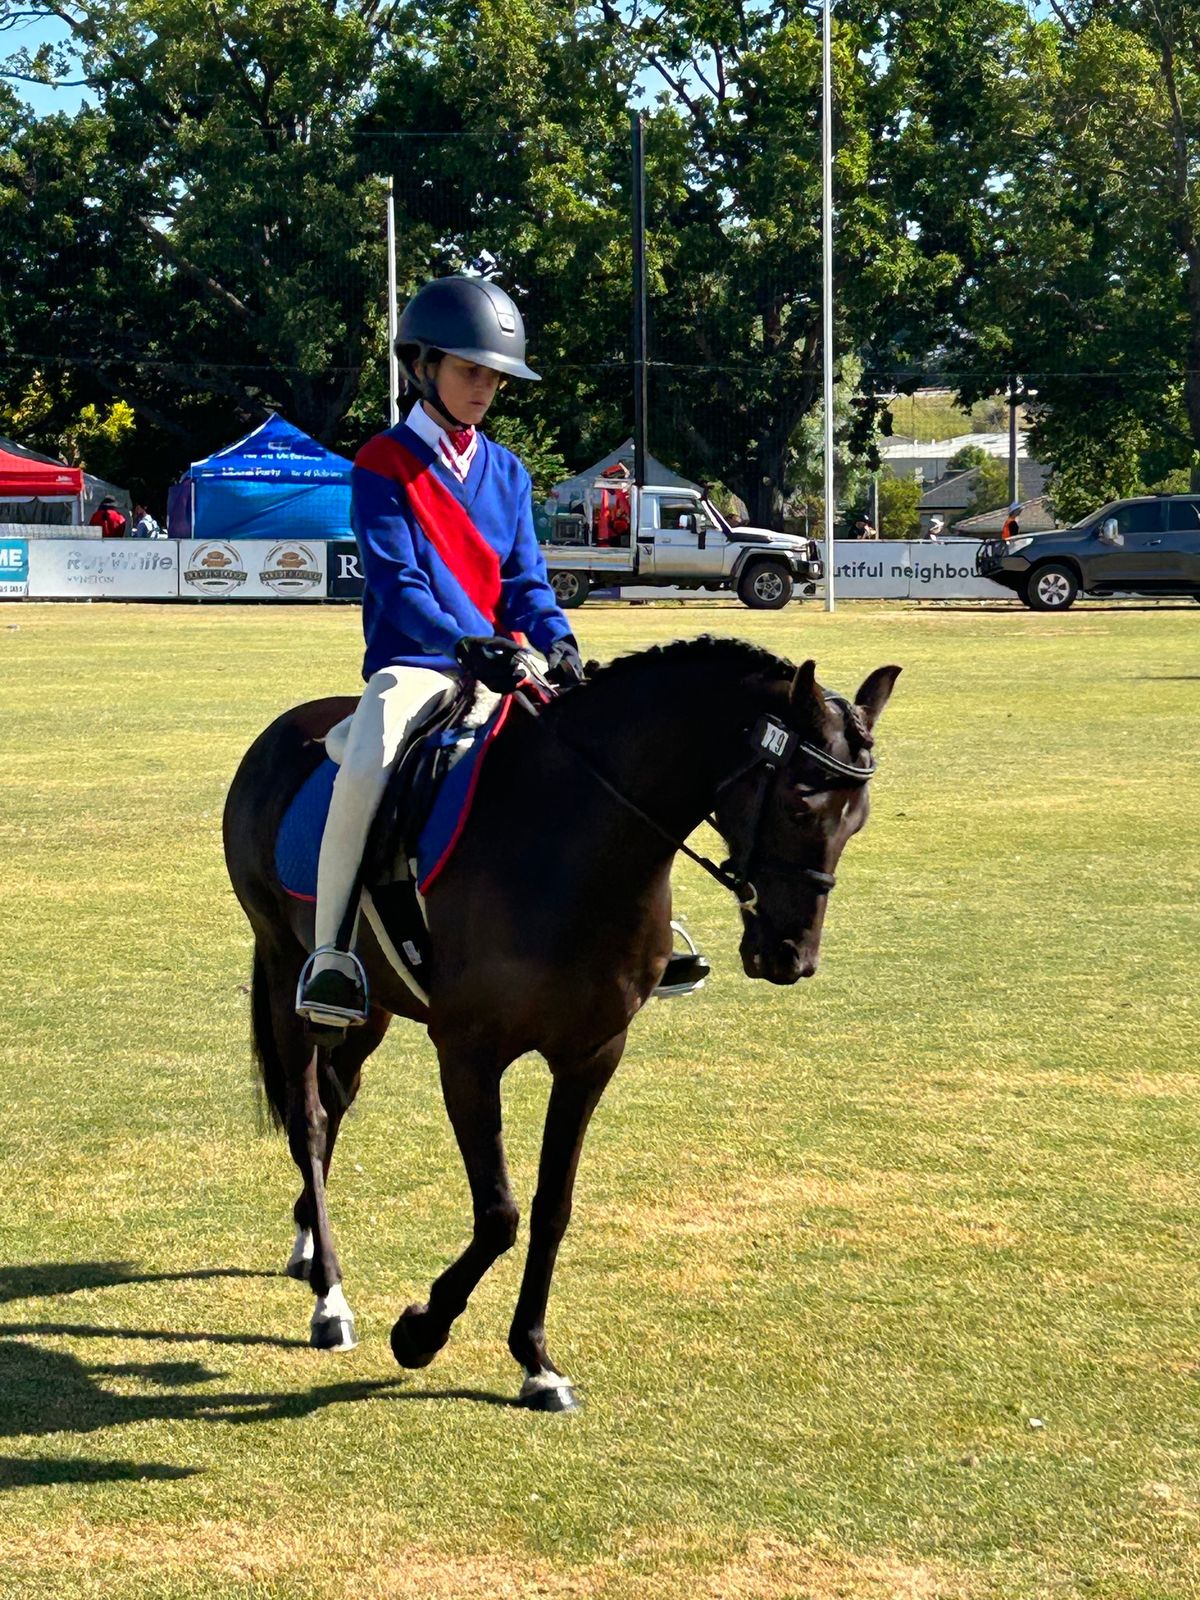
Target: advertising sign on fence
103,569
252,569
14,569
345,572
901,570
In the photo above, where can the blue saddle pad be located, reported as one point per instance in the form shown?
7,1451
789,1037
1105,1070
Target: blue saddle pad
298,843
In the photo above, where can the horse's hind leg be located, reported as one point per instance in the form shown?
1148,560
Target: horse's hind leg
574,1096
471,1088
319,1085
338,1082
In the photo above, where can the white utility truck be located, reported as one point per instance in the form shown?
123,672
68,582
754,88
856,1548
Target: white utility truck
682,541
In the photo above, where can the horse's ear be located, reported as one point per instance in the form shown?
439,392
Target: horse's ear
805,695
875,693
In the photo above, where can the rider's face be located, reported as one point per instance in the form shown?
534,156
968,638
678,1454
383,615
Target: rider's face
466,388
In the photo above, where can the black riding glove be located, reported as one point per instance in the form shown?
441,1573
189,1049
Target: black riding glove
493,659
563,664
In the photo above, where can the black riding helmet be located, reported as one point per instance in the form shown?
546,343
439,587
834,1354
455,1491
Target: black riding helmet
465,317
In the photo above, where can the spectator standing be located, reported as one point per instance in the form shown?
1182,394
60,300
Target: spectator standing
864,530
1011,527
112,522
144,525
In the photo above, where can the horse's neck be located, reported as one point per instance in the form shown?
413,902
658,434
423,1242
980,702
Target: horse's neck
667,747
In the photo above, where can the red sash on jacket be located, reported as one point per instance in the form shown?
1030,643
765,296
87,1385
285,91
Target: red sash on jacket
444,521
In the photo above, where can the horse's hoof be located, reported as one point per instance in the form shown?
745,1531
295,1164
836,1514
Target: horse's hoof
549,1392
333,1333
407,1351
299,1267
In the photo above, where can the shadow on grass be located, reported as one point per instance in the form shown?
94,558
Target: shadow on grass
44,1391
88,1330
34,1471
47,1278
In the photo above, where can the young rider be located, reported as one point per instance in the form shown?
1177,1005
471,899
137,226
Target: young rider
452,569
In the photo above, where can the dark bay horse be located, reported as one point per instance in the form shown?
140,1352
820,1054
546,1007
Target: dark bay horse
550,927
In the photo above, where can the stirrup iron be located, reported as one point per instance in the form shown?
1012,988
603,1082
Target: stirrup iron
333,1013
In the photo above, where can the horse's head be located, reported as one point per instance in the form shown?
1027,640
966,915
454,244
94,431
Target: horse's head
788,819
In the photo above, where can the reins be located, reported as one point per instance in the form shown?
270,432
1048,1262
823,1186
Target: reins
772,746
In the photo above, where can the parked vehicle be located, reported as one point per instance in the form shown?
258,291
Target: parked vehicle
682,541
1146,546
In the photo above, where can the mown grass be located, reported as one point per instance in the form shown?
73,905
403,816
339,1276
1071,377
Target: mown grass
836,1250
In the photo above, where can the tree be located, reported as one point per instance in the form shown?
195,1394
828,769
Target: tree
899,502
991,487
205,244
1092,289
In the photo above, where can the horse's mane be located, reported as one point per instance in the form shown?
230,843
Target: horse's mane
732,655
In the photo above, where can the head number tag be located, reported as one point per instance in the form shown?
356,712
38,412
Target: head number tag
774,740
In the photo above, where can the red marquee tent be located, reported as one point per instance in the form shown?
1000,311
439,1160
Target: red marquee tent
22,478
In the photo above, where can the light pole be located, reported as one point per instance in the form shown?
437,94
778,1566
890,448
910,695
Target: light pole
827,281
393,359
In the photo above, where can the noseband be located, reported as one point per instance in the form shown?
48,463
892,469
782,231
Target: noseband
772,746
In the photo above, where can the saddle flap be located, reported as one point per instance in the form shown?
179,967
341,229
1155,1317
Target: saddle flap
411,788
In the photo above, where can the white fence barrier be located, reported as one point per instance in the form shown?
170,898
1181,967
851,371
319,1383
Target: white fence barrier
261,569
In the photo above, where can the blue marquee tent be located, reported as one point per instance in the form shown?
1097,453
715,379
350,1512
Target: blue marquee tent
276,483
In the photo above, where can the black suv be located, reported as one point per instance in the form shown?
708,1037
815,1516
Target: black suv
1149,546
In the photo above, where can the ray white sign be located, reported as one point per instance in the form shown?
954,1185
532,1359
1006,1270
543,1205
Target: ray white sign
103,569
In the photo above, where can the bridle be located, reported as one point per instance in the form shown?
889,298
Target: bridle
772,746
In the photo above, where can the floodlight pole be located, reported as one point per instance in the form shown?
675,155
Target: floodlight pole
639,316
393,360
827,283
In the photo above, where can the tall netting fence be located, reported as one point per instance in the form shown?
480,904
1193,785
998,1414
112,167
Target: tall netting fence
160,315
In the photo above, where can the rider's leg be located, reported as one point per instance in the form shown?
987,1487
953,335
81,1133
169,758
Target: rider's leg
334,991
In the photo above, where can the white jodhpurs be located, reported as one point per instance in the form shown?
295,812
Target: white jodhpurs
393,700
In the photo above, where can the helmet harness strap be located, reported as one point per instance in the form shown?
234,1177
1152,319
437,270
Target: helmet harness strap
428,390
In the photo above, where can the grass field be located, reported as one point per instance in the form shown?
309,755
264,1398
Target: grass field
884,1285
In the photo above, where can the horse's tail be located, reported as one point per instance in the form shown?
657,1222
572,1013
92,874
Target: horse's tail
262,1037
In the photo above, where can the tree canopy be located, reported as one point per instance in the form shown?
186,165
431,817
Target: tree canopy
205,239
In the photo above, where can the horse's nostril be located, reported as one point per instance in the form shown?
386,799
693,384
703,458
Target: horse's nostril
806,964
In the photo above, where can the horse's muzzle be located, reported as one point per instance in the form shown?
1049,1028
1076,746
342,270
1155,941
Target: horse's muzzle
784,963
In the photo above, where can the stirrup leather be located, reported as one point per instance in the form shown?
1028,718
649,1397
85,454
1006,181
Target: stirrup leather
349,1011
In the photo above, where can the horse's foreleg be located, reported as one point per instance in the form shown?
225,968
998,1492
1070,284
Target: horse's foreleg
471,1088
574,1096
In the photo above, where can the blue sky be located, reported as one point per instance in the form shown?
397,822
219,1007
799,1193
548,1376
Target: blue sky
30,35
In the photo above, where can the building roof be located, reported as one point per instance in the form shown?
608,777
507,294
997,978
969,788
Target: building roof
898,448
1034,516
956,493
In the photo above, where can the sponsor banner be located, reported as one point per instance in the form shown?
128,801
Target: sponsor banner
345,572
14,569
887,569
883,569
94,569
252,569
